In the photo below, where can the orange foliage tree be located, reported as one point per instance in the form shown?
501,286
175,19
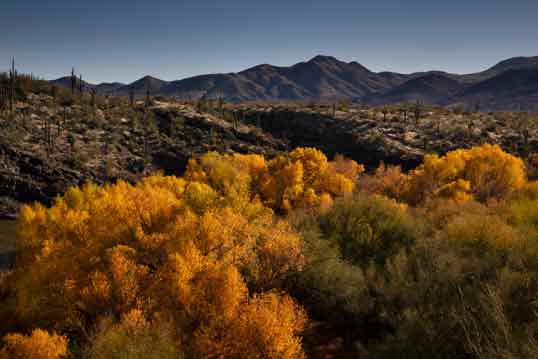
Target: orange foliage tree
39,345
304,178
188,250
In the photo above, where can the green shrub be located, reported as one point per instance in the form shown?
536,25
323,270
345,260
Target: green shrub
369,228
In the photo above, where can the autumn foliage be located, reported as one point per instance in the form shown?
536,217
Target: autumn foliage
165,247
304,178
225,261
39,345
481,173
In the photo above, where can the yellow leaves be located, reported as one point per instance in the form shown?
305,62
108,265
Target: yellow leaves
233,177
296,180
264,327
280,251
31,226
458,190
98,290
481,172
204,289
312,160
127,275
200,196
264,334
188,249
38,345
134,319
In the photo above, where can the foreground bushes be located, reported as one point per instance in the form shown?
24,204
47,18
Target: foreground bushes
163,251
201,267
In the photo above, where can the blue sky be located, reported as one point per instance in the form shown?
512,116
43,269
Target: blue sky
120,40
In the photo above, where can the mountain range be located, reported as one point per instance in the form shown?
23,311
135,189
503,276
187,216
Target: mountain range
510,85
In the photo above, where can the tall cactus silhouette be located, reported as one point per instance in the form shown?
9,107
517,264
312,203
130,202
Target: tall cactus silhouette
148,95
73,81
93,98
131,96
418,111
12,83
54,92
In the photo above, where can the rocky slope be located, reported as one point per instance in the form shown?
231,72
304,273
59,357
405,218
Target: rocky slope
46,148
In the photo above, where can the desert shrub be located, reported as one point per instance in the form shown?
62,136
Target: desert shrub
39,344
368,228
388,181
479,231
346,248
490,332
523,214
437,212
426,296
464,294
330,286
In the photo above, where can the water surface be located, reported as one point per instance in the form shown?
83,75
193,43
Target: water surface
7,243
7,235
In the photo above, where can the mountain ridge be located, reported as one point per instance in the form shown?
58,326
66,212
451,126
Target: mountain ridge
326,78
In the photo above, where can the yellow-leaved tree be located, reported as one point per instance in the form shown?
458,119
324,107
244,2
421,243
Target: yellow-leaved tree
479,173
39,345
304,178
167,250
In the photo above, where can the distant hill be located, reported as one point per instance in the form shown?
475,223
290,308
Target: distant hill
515,63
514,89
103,88
431,88
109,88
507,85
140,87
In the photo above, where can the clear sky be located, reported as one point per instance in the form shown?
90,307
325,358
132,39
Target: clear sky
123,40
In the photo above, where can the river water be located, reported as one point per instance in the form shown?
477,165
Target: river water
7,235
7,243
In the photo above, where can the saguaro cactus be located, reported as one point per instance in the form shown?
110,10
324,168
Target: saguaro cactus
12,83
148,95
73,81
221,106
93,98
54,92
131,96
418,111
3,97
384,111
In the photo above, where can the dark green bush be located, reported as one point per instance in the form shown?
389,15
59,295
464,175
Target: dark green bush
369,228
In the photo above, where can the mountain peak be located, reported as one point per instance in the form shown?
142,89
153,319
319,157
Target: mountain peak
517,62
324,59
